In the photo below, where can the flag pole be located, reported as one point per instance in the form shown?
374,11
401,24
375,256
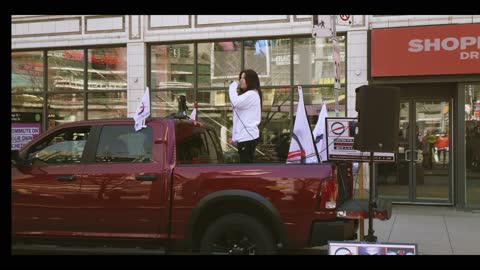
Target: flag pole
336,85
149,105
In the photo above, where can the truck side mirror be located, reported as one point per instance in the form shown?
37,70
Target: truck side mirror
16,160
160,141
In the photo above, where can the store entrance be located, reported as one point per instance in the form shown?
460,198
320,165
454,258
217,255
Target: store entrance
422,172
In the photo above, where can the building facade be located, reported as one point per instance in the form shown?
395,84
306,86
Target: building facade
69,68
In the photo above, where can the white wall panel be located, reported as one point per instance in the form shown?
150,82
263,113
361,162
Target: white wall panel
46,27
104,24
205,20
169,21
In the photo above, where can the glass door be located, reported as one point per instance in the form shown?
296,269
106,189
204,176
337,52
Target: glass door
422,170
432,151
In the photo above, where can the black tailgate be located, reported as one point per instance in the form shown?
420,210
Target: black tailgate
358,209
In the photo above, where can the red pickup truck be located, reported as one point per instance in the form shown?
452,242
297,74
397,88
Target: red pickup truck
98,186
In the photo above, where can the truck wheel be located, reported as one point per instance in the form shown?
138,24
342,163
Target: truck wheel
237,234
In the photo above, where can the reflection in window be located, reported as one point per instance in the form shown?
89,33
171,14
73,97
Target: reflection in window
164,103
172,66
64,108
472,143
313,98
218,62
275,126
123,144
63,148
65,70
107,68
27,71
103,105
270,59
314,60
257,56
27,103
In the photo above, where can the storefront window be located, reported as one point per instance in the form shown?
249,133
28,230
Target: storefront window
172,66
218,62
221,61
103,105
27,71
107,69
65,70
270,59
64,108
313,61
472,143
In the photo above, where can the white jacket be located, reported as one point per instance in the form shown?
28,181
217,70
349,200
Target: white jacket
247,114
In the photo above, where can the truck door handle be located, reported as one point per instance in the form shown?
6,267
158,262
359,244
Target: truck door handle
66,178
146,177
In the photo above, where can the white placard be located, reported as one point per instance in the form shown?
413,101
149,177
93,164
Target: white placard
340,136
363,248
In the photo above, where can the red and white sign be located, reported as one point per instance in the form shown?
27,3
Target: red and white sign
344,20
428,50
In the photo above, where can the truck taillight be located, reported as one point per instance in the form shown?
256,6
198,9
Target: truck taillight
329,191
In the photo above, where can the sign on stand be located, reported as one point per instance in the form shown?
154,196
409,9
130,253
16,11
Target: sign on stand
361,248
340,136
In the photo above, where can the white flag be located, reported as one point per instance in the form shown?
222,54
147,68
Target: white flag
193,115
143,111
319,134
301,148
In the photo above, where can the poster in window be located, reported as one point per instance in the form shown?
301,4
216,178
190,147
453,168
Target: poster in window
25,127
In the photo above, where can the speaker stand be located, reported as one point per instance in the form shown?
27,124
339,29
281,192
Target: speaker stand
370,237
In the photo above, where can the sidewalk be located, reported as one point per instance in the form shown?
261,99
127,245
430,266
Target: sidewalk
435,229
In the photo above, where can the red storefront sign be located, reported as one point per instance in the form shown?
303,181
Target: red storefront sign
428,50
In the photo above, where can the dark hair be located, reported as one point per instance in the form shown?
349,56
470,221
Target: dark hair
252,81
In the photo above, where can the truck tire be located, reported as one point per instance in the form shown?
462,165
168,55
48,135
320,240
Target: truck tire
237,234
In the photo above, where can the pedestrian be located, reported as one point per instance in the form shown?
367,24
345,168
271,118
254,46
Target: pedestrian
246,98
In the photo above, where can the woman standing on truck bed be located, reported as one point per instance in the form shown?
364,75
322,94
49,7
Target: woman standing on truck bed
246,99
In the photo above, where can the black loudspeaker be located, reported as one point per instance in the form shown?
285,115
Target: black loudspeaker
378,110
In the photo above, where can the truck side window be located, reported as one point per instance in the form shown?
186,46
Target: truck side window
212,149
123,144
194,145
64,147
216,140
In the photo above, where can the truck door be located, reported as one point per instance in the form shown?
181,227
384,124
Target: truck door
124,184
46,186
